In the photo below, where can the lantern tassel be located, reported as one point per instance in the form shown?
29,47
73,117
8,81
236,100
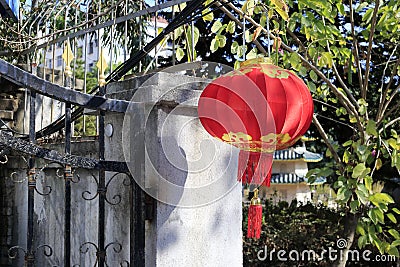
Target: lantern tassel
254,168
254,220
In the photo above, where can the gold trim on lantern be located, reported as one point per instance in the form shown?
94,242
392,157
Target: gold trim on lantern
267,143
232,137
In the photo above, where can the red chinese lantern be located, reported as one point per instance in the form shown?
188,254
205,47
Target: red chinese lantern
259,108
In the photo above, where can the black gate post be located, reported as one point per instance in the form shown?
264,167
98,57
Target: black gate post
101,253
30,255
67,180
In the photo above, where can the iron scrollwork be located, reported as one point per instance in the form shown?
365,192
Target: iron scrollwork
117,248
116,199
29,256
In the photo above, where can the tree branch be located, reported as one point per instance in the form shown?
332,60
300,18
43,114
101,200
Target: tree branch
355,46
371,37
232,17
327,142
390,123
384,94
345,88
387,105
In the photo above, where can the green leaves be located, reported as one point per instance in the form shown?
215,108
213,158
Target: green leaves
391,217
207,15
217,25
367,16
362,193
340,7
231,27
179,53
343,194
214,45
396,210
379,198
360,171
234,47
325,60
313,76
362,241
221,40
217,42
248,7
371,128
376,215
394,233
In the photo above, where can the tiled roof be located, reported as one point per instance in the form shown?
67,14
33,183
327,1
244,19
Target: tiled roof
292,178
296,154
286,154
286,178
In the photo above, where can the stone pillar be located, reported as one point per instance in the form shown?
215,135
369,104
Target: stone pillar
196,218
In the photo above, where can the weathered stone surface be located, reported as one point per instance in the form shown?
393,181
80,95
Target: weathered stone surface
193,224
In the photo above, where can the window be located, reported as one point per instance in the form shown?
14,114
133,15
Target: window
49,65
59,61
91,65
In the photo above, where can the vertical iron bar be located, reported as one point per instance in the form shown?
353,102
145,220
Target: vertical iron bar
67,181
126,32
112,39
140,34
75,49
30,258
173,40
101,253
155,35
137,216
192,37
99,46
102,189
137,226
85,46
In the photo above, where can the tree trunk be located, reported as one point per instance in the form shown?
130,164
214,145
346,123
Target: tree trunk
350,225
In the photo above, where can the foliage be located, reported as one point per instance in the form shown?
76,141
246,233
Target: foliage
347,54
301,228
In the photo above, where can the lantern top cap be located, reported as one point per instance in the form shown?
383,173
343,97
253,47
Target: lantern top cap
256,60
255,200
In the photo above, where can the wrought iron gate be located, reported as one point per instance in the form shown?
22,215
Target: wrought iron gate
67,166
41,160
